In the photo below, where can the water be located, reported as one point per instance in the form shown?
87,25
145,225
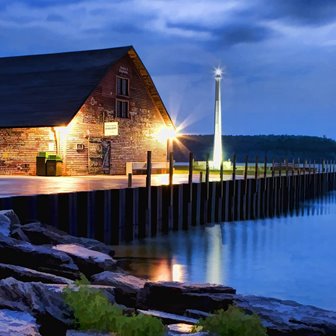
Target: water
291,257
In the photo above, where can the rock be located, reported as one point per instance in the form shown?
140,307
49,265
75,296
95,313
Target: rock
27,275
4,225
197,314
88,261
16,323
39,258
175,297
43,234
168,318
8,219
288,317
39,300
14,219
126,286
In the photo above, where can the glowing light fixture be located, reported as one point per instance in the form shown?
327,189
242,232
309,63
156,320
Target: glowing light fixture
164,134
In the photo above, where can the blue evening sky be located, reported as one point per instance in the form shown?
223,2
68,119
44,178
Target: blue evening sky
279,55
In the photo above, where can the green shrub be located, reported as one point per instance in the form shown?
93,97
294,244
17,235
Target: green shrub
93,311
91,308
232,322
140,325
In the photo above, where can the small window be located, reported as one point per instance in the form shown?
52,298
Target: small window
122,86
122,109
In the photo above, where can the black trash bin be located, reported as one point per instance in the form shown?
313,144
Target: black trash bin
54,165
41,159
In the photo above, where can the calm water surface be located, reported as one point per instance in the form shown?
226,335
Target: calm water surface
291,257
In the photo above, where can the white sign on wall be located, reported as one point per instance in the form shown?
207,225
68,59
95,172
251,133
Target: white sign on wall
111,128
123,70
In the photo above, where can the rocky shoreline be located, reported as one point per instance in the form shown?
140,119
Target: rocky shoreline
38,261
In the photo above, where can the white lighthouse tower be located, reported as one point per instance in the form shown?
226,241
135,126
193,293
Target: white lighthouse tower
217,150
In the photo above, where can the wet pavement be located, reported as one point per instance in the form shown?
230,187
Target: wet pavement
37,185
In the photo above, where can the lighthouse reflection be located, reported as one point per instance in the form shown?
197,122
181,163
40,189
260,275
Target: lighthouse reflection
284,257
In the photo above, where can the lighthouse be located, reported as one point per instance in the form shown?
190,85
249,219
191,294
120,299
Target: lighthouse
217,149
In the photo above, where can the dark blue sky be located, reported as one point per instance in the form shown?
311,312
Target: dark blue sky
279,55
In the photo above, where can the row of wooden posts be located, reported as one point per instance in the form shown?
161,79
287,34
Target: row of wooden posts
119,215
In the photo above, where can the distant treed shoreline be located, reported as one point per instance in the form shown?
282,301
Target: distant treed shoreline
275,147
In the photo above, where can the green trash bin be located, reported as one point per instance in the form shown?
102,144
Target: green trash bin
54,165
41,159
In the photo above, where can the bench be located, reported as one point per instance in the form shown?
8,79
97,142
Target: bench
140,168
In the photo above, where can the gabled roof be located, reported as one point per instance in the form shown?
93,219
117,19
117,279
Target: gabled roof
48,90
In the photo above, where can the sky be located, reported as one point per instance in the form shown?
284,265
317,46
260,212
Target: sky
279,56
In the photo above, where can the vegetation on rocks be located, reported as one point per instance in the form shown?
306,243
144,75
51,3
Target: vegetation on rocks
93,311
232,322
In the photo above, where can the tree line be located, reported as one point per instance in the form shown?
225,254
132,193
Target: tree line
275,147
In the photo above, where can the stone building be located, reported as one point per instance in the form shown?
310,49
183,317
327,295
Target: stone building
98,109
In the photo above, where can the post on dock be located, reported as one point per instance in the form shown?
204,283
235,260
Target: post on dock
129,180
171,191
188,210
264,190
246,200
274,192
233,190
147,226
254,197
219,204
207,193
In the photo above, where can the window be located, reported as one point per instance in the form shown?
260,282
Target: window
122,86
122,109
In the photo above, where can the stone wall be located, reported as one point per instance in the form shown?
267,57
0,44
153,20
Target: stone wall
18,147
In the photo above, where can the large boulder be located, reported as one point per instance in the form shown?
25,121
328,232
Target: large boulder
43,234
40,300
88,261
45,302
16,323
28,275
176,297
288,317
39,258
8,220
126,286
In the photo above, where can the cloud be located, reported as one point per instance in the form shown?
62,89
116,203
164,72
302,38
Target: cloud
244,33
309,12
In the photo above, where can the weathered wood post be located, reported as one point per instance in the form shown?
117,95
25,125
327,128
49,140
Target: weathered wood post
233,190
304,187
219,207
264,190
129,180
315,172
298,183
286,188
280,189
147,228
255,194
201,176
246,200
188,210
207,192
274,191
171,191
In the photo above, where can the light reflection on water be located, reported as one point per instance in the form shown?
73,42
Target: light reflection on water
289,257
